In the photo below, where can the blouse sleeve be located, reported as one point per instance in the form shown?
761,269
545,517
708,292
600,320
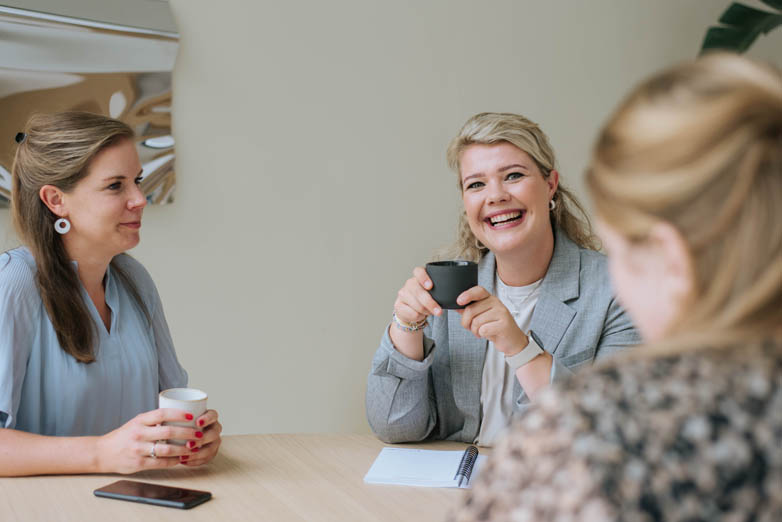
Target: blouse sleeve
171,373
19,306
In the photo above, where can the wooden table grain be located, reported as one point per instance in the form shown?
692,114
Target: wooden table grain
275,477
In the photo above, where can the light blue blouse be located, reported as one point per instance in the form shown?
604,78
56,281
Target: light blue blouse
44,390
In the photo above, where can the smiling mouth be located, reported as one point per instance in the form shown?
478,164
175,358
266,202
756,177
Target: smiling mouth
504,219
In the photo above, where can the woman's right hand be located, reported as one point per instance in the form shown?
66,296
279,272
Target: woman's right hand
413,301
128,449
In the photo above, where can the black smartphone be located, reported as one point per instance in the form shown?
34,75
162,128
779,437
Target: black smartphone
153,494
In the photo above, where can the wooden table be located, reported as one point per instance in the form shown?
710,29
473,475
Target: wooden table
255,477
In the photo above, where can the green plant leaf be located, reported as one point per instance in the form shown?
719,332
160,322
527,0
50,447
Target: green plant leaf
723,38
776,4
771,23
740,15
742,26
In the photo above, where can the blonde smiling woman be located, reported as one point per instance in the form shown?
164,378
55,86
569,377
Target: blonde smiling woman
543,306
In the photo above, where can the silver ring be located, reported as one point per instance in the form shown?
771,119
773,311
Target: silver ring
152,453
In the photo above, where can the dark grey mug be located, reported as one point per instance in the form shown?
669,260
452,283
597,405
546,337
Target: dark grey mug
449,279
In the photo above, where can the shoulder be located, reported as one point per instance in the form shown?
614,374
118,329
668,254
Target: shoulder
628,397
592,263
651,402
17,273
133,268
594,277
610,424
580,272
568,254
138,275
714,373
592,259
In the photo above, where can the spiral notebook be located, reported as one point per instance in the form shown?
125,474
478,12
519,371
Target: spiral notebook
427,468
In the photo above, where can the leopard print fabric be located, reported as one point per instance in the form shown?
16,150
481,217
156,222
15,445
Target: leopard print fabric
695,437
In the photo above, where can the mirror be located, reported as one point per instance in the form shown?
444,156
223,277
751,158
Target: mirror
53,63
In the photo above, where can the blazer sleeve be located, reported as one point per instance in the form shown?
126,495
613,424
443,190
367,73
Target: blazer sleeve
399,400
618,333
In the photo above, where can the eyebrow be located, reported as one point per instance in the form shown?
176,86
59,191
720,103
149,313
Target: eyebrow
121,177
503,169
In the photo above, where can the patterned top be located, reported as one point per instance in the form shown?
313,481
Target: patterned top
695,436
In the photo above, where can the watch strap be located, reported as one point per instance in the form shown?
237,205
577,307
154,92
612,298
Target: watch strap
529,352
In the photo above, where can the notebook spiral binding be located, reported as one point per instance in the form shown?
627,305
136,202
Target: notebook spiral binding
465,466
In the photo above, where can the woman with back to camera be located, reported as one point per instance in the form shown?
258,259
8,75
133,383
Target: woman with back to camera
687,183
84,344
543,305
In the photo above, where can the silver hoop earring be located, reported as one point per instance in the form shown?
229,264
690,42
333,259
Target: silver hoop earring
552,204
62,226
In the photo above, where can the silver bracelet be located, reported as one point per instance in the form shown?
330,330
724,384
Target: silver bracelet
414,327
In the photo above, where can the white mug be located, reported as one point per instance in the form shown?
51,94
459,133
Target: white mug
188,399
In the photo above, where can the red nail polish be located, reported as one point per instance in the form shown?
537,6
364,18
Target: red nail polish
201,422
199,434
189,416
191,444
194,450
184,457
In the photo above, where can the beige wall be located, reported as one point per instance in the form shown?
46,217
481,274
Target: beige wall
310,142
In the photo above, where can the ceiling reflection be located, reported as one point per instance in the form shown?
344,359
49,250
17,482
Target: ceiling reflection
50,64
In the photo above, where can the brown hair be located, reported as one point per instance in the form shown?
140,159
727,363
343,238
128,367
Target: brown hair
700,146
491,127
57,151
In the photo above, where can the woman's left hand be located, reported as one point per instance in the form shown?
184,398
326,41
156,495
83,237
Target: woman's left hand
205,447
486,317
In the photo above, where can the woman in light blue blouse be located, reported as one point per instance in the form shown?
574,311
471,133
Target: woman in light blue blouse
84,344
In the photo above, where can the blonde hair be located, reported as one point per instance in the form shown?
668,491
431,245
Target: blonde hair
488,128
700,146
57,150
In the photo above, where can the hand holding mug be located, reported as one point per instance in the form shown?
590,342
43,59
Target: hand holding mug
413,303
486,317
139,444
204,449
206,441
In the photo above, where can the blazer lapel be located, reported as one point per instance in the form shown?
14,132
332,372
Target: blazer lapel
467,354
552,316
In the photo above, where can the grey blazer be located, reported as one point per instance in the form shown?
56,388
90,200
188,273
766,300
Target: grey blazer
576,319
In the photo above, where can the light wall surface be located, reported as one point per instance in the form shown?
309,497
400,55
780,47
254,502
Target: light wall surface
311,144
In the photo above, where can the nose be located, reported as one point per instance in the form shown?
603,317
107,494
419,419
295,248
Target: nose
137,199
496,193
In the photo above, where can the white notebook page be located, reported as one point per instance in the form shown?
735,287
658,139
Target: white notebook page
417,467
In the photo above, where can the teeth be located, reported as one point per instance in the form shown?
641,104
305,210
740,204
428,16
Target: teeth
504,217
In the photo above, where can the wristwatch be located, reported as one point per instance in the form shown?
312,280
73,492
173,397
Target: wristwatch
529,352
